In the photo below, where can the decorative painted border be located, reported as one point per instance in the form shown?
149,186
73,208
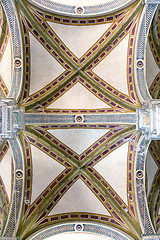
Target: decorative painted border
140,79
76,20
18,189
3,88
130,173
11,14
78,216
81,111
75,125
140,191
80,227
88,10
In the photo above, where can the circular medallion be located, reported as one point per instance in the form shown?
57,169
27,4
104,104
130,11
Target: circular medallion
17,62
139,174
79,118
19,174
79,10
79,227
140,64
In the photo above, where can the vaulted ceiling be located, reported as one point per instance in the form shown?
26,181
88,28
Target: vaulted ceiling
75,70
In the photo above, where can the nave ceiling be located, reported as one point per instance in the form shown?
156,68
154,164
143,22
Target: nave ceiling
78,74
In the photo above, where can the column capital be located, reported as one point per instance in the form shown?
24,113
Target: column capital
11,118
148,119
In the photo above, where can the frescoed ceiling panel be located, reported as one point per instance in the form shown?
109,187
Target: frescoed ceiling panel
152,168
107,73
5,65
5,57
115,166
71,76
72,202
41,59
39,179
84,100
77,139
79,144
6,169
152,68
84,38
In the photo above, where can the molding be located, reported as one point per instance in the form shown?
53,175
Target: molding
140,191
17,52
18,189
124,118
82,228
69,10
140,52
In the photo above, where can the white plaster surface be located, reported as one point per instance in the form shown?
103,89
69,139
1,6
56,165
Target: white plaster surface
45,170
44,68
79,38
79,198
78,97
151,170
151,66
78,139
114,169
113,69
5,66
5,171
78,236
